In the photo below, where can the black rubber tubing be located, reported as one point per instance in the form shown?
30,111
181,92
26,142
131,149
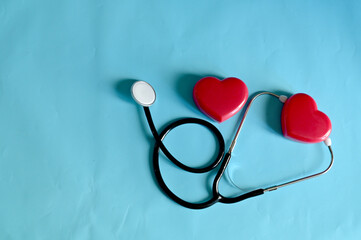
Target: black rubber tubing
216,196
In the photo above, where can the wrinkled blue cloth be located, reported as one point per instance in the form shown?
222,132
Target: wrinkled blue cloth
75,150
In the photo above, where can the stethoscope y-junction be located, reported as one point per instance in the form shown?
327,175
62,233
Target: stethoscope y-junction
300,120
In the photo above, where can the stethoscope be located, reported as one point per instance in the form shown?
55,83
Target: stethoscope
144,94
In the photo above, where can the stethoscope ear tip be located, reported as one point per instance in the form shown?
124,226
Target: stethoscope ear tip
143,93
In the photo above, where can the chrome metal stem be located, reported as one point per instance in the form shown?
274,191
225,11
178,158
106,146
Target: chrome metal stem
303,178
234,141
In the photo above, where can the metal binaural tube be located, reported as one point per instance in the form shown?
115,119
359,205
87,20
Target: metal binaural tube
234,141
303,178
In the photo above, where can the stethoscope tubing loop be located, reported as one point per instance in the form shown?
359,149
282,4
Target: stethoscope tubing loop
168,128
221,158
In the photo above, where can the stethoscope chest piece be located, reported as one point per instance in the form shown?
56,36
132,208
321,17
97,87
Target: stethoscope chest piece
143,93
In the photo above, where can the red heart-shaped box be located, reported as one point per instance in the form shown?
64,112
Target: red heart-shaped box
301,121
218,99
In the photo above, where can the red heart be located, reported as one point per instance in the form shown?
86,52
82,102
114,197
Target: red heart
301,121
218,99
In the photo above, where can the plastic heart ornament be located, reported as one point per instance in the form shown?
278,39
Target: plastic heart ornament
301,121
218,99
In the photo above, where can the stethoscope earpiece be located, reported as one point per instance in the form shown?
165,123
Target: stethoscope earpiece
143,93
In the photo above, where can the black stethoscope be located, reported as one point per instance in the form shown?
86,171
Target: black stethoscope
144,94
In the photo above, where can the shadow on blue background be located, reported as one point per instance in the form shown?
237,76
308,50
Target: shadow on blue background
122,89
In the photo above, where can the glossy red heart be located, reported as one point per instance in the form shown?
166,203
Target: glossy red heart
218,99
301,121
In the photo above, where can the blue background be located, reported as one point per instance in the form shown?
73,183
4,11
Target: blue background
75,150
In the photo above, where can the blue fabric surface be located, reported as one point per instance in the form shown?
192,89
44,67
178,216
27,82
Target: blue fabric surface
75,150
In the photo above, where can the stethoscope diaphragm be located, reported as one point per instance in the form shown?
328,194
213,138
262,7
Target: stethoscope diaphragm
143,93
